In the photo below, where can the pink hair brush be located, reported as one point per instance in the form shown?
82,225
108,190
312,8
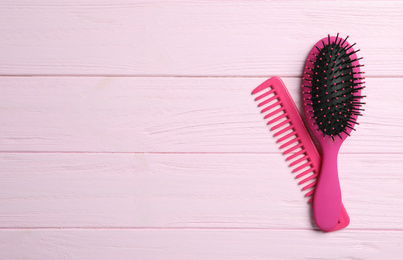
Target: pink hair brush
331,89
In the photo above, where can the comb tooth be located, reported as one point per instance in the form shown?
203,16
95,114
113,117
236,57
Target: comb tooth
305,172
289,142
292,148
309,194
271,106
302,167
274,112
264,95
309,185
260,88
277,118
308,178
299,160
295,155
286,136
283,130
280,124
268,100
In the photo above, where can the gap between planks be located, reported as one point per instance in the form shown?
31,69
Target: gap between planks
196,228
168,76
134,153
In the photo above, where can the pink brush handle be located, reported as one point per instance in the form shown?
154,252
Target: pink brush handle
327,200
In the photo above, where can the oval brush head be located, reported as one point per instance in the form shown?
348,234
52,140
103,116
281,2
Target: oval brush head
331,90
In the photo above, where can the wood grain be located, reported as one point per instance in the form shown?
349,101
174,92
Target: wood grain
187,190
198,244
114,114
127,130
206,38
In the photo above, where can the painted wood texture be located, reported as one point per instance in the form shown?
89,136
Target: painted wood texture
199,244
236,38
186,190
127,130
115,114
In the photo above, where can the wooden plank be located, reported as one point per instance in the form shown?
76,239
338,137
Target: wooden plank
173,114
241,38
199,244
186,190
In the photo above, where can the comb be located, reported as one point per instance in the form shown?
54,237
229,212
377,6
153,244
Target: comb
286,123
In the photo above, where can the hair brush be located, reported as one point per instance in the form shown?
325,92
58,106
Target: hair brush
331,89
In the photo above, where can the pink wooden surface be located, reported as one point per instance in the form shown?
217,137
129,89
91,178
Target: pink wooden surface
128,131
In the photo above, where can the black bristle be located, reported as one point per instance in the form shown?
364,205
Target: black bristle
337,36
333,88
341,45
351,46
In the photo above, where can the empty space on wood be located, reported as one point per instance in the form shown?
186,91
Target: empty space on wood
205,38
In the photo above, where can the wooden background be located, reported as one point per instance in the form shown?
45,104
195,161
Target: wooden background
127,130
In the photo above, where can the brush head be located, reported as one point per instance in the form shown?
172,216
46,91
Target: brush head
332,85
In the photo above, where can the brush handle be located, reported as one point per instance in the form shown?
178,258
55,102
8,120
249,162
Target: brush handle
327,199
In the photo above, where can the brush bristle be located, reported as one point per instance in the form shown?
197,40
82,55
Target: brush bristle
333,86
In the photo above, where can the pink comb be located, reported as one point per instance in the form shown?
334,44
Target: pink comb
290,129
